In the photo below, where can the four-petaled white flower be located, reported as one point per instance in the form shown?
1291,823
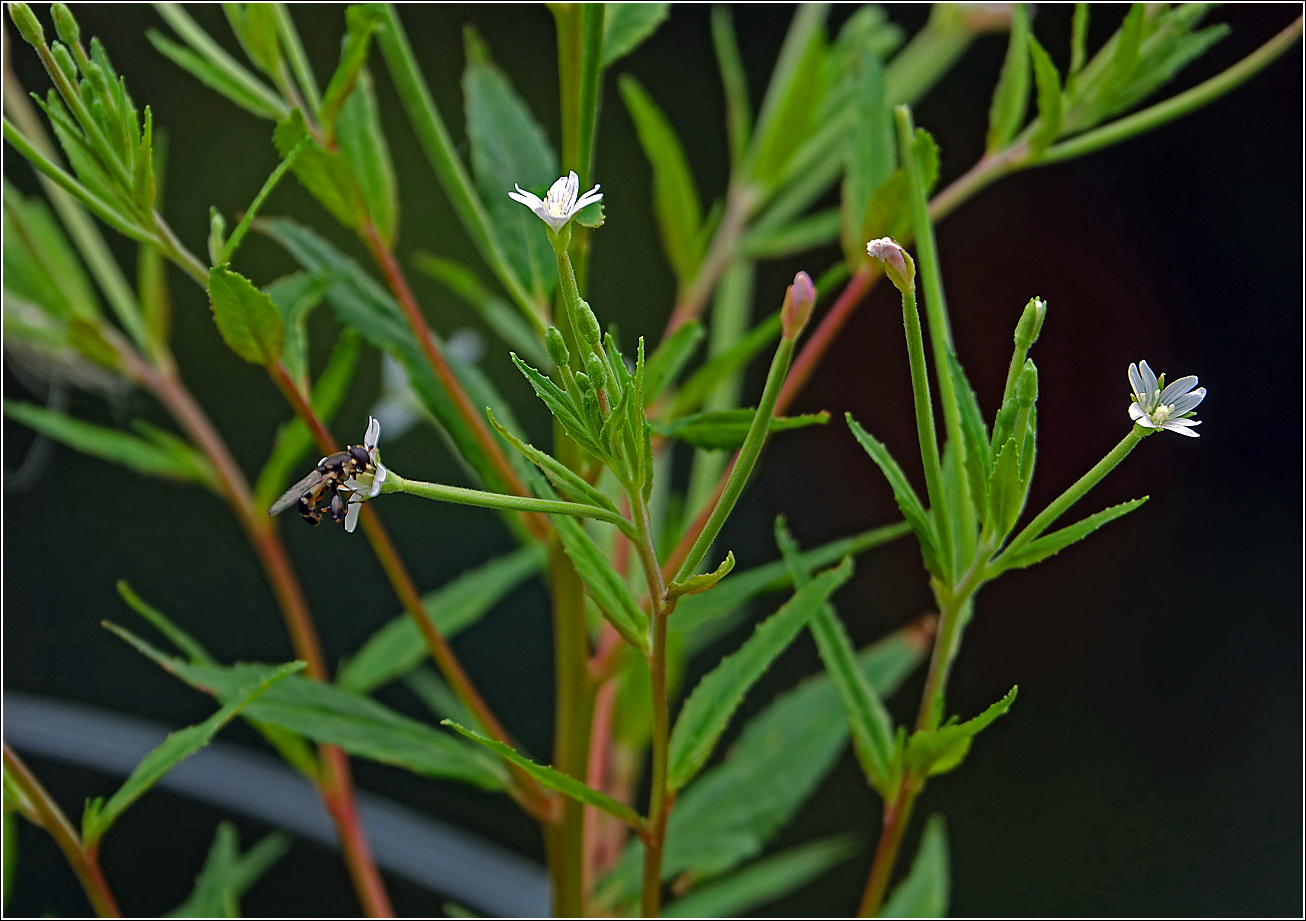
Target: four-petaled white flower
1168,408
366,484
560,205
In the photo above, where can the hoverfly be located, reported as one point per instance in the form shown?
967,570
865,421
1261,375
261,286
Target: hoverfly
327,477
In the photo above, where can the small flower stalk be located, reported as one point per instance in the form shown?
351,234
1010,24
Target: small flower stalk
1157,406
560,204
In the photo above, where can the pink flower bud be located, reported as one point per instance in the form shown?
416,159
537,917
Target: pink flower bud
797,309
898,266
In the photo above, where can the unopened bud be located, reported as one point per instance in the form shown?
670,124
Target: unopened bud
597,373
1031,321
29,27
898,266
557,347
1027,384
64,59
587,325
584,383
65,24
797,308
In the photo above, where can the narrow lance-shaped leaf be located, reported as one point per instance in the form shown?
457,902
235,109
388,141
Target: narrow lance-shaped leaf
555,779
362,144
669,357
501,316
726,429
565,480
626,26
695,585
264,104
361,22
906,497
1011,95
324,173
924,892
1048,83
872,152
975,435
889,211
227,874
100,816
707,712
938,751
788,110
605,584
1044,547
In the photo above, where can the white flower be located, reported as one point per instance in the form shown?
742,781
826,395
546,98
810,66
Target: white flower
367,484
1168,408
560,205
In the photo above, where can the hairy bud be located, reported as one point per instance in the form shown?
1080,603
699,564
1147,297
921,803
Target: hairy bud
1027,384
1031,321
898,266
65,24
587,325
557,347
29,27
797,308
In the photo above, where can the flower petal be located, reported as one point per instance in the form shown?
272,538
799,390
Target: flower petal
1188,402
373,434
1177,389
1135,379
1149,380
528,199
378,478
351,516
1181,429
1136,412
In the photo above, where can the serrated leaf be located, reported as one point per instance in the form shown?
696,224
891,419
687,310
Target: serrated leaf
975,434
1011,95
362,144
938,751
324,173
731,811
565,480
725,429
1044,547
555,779
139,454
509,148
398,647
707,711
670,357
906,497
178,746
605,584
334,716
249,322
925,890
676,201
227,874
1048,82
626,26
696,585
762,882
1004,491
568,414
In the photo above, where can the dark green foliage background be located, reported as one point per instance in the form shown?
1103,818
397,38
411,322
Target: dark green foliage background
1153,762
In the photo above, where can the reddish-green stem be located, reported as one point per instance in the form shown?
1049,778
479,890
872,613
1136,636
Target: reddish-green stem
44,811
896,816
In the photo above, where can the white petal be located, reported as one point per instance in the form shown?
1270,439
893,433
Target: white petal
1182,430
526,198
1149,379
1188,402
373,434
351,516
377,479
1135,380
1184,422
587,199
1136,412
1178,388
573,186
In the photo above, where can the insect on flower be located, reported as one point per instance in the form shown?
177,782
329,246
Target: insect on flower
344,476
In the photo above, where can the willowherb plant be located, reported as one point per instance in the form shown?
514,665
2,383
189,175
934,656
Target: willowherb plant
637,581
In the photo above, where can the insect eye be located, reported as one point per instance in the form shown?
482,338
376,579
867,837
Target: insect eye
359,454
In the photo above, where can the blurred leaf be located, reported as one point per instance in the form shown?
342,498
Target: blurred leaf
889,213
264,104
115,446
362,144
398,647
497,313
938,751
249,322
1078,41
906,497
605,584
789,108
509,148
1044,547
1011,95
675,195
39,262
696,585
924,891
178,746
626,26
361,21
296,297
726,428
722,365
156,618
324,173
1048,82
554,779
808,232
669,357
9,846
734,81
763,882
872,153
729,813
331,715
227,874
438,697
255,26
708,709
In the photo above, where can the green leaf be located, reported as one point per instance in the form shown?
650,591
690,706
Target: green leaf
626,26
398,646
675,195
1078,42
39,262
937,751
227,874
696,585
669,358
264,104
331,715
872,727
324,173
605,584
906,497
725,429
249,322
924,892
130,451
1005,492
509,148
505,319
723,365
729,813
438,697
707,712
1011,95
361,21
592,215
9,847
809,232
789,108
1048,82
555,780
872,153
362,144
975,434
178,637
889,213
565,480
763,882
734,83
178,746
296,297
1042,548
259,35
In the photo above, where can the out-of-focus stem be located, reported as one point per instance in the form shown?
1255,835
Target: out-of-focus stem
44,811
896,816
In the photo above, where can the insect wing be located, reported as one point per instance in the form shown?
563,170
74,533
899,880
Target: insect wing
291,495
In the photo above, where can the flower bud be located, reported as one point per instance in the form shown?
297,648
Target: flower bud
586,386
597,373
898,266
797,308
557,347
1031,321
29,27
587,325
64,59
65,24
1027,384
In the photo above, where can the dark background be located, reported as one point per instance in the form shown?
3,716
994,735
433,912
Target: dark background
1153,762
